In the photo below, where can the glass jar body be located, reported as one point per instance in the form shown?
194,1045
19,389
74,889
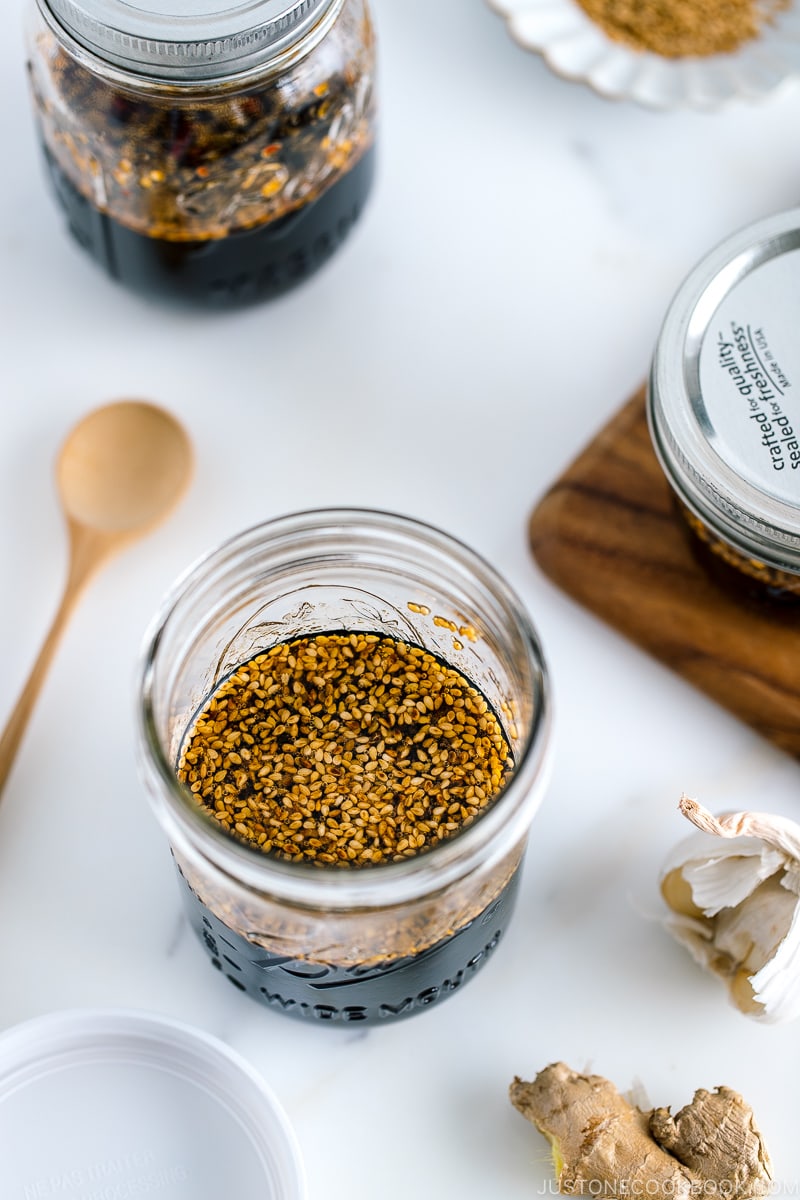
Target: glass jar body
343,967
217,192
368,943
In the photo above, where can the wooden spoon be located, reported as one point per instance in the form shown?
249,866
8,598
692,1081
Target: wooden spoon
120,471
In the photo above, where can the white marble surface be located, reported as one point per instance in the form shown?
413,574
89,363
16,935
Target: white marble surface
497,304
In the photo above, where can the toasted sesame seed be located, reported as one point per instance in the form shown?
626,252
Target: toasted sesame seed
340,760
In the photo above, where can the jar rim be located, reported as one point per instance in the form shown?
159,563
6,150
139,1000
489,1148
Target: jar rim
170,42
722,475
486,840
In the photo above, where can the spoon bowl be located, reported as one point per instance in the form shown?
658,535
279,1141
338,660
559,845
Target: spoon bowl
123,467
120,471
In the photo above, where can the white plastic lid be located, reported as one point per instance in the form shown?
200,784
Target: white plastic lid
117,1105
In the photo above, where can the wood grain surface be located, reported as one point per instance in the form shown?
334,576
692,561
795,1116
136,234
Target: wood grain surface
608,534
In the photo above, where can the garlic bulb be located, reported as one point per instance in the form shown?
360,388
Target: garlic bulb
734,888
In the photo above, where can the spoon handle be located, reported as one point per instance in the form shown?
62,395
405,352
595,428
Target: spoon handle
87,551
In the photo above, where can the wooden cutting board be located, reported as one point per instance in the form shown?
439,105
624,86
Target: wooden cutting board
608,534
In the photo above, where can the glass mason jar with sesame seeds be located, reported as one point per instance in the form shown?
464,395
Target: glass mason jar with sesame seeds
343,726
214,152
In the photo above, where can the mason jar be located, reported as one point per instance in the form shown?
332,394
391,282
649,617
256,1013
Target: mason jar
216,153
724,409
345,943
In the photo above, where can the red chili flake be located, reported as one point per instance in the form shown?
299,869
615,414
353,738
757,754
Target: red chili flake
271,149
181,138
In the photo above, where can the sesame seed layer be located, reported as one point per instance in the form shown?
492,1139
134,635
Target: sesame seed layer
345,749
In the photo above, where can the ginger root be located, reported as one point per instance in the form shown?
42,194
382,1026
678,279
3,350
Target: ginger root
605,1147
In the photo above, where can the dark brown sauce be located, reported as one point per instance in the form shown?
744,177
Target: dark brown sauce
246,266
755,585
370,994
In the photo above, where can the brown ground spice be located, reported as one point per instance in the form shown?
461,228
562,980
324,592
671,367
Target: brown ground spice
346,749
683,28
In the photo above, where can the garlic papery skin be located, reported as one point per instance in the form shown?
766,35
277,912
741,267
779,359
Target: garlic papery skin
734,891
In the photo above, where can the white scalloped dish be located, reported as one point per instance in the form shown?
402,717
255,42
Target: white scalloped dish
577,48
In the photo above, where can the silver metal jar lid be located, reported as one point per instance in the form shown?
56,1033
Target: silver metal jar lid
724,393
187,40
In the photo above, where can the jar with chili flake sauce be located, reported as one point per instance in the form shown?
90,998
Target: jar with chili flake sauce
344,723
215,153
724,409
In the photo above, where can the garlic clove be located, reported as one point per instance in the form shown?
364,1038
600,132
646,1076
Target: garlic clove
728,880
734,890
751,933
677,892
776,986
741,989
720,873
